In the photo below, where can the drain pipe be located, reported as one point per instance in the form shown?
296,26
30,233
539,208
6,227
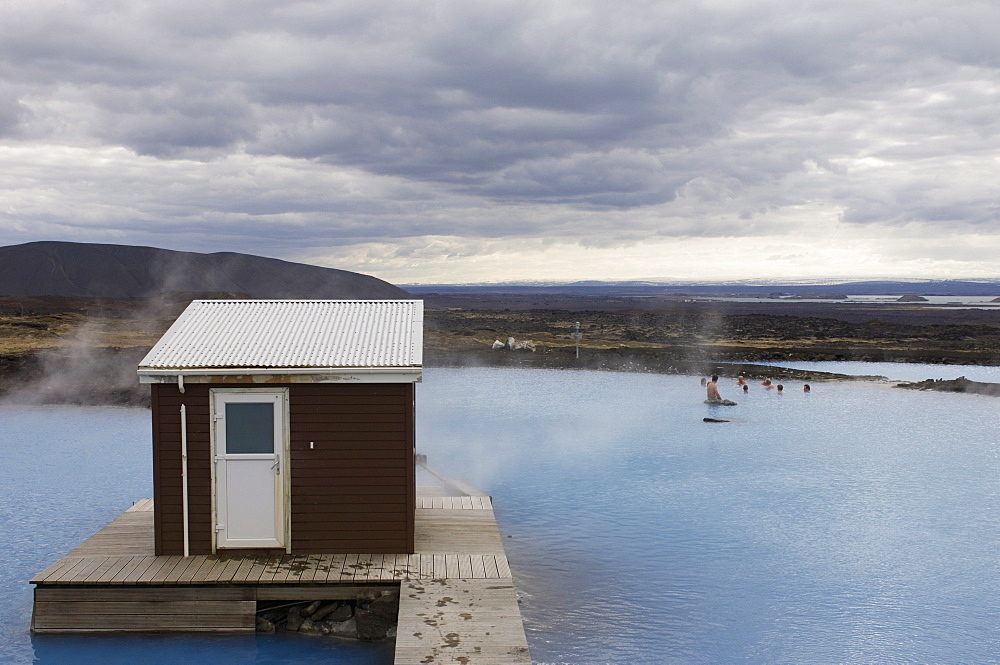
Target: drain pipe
184,477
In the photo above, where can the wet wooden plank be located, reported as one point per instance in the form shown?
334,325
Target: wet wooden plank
272,567
311,568
475,622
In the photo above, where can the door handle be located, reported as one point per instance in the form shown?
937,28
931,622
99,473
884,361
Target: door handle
277,466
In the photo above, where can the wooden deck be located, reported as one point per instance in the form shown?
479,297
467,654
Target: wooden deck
455,537
113,577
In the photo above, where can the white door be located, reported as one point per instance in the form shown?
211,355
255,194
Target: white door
249,469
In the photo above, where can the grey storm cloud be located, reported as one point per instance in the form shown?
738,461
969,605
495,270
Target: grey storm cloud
715,115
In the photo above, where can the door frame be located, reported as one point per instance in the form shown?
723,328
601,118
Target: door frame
284,497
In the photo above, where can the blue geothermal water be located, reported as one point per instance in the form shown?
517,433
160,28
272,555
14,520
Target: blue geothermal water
855,524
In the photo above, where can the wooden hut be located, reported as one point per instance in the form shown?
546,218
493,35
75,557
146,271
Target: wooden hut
285,426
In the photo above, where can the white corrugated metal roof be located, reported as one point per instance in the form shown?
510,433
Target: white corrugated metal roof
292,334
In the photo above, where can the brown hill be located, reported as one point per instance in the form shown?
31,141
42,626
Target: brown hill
122,271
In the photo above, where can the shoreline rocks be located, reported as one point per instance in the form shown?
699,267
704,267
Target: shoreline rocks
959,385
372,616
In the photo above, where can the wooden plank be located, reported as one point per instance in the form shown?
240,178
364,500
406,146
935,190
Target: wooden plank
386,572
204,573
478,567
426,566
135,607
141,506
122,575
370,565
80,573
395,568
221,621
409,566
350,565
475,622
503,568
465,566
451,566
197,562
329,568
246,565
181,572
138,570
146,594
490,569
160,567
230,565
57,568
315,591
300,565
310,568
271,569
109,572
287,569
260,564
440,568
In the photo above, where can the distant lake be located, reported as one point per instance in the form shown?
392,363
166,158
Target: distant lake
976,302
856,524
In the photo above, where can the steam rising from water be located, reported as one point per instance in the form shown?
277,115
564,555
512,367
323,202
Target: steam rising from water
96,362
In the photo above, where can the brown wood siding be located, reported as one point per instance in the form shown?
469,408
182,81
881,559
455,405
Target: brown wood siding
353,492
123,608
167,488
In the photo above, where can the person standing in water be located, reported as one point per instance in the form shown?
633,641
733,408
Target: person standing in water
712,389
805,388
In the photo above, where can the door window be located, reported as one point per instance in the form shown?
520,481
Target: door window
249,428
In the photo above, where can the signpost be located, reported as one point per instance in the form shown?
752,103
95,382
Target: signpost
576,336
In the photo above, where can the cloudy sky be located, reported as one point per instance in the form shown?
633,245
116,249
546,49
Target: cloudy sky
512,140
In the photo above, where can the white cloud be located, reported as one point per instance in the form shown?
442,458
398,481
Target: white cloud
575,139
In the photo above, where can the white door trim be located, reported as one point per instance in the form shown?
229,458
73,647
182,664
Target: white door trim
283,498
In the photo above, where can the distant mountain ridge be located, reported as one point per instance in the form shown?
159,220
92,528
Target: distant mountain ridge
51,268
644,288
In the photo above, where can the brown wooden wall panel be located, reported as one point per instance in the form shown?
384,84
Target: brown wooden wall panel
352,491
361,466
